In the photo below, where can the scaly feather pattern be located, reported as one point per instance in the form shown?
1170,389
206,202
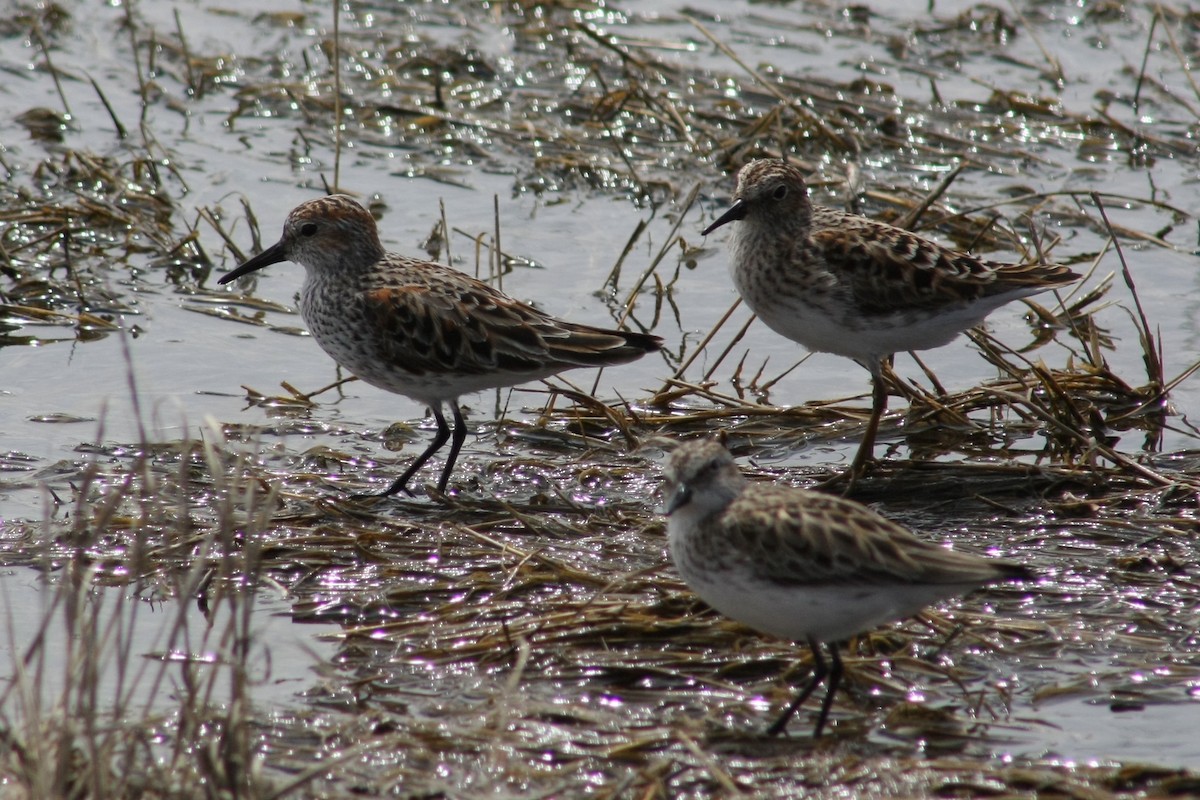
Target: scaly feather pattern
421,329
845,284
803,565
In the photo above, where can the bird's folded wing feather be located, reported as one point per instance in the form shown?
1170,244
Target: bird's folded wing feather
808,537
458,324
896,269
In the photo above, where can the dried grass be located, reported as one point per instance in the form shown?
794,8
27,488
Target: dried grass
523,635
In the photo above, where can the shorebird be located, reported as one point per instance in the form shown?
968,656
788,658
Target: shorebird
845,284
801,565
421,329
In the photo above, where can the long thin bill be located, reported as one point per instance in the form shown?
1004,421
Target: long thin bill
272,255
736,211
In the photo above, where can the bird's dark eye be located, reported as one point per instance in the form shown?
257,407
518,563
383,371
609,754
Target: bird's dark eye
780,192
308,229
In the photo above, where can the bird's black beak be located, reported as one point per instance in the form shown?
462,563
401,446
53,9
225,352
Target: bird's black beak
678,499
736,211
272,255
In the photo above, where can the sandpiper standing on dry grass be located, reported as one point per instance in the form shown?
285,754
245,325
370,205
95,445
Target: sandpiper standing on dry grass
421,329
803,565
841,283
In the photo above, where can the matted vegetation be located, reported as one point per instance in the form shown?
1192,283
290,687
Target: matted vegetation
524,636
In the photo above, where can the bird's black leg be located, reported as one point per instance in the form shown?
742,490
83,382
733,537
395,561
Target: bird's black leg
439,439
820,670
835,680
865,454
456,443
866,448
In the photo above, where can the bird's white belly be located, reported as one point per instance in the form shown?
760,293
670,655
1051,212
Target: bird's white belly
825,612
848,333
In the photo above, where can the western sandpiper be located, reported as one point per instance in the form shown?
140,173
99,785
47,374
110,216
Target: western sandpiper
421,329
803,565
841,283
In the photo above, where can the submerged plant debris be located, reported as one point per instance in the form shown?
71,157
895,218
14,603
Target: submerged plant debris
524,635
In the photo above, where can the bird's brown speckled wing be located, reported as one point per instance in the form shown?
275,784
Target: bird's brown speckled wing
826,539
891,268
435,322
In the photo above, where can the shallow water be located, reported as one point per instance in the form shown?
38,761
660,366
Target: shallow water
139,650
188,365
61,394
1082,733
